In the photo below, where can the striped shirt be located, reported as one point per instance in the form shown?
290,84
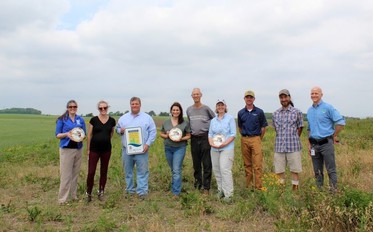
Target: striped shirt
286,122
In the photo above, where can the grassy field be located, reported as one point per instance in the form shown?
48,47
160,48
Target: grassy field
29,170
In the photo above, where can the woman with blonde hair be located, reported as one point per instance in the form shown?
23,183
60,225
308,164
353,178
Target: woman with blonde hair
100,132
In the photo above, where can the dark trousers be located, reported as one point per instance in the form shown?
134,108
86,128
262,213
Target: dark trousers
201,160
92,164
324,154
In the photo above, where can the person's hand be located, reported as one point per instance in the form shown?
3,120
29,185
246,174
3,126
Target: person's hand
146,148
122,130
68,135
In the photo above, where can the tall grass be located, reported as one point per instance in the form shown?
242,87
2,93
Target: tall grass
29,170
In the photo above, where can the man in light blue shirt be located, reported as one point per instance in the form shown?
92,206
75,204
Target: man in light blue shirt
135,118
324,125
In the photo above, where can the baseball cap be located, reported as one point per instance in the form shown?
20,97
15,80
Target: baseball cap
284,91
220,101
249,93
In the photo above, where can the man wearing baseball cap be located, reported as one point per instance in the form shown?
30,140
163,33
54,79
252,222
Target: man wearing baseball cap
288,124
252,124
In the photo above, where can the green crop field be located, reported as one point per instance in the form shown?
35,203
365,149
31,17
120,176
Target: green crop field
29,170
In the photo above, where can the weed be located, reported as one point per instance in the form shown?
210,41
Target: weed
195,204
33,213
8,208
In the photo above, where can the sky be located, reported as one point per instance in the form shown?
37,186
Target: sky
52,51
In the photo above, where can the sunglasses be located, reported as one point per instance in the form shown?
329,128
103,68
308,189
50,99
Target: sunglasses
72,107
103,108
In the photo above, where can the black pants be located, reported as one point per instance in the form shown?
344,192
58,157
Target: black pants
201,160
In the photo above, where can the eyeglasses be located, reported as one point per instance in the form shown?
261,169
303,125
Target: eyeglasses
103,108
72,107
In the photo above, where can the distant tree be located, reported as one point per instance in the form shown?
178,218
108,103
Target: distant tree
152,113
89,115
164,114
116,113
20,111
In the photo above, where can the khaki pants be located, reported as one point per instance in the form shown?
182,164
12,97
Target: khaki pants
251,148
70,160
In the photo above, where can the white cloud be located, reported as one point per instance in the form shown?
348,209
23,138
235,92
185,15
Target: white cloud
159,50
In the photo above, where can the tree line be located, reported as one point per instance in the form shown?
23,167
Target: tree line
20,111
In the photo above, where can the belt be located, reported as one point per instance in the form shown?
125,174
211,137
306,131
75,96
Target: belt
201,135
321,141
250,135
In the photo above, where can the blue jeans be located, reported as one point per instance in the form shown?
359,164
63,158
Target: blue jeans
142,168
175,157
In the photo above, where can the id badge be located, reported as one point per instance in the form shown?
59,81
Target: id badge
312,151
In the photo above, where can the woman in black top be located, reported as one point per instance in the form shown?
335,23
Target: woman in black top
99,136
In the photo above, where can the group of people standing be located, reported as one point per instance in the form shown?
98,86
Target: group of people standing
212,137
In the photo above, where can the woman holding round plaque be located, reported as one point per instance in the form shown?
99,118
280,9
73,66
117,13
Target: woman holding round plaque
70,129
100,132
176,132
221,135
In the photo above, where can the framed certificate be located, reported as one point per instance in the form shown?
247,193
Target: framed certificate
134,143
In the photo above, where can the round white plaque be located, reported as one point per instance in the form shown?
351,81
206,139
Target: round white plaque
175,134
77,134
218,139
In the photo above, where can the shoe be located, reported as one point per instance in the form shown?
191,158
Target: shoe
295,187
64,203
142,197
227,200
100,195
220,195
206,192
175,197
334,191
197,185
89,197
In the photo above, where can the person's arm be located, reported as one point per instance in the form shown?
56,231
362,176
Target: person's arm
338,129
89,137
232,134
152,134
119,129
186,137
299,130
263,131
59,131
163,133
309,143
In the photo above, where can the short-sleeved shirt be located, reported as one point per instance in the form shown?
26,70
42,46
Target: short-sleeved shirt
101,134
321,120
225,126
199,119
286,122
251,122
167,126
65,124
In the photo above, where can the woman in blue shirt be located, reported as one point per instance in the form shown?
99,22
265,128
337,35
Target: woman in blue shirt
222,133
70,151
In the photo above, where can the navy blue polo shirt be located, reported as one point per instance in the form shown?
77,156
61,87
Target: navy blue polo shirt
251,122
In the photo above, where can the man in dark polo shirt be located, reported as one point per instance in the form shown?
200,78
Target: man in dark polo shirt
252,125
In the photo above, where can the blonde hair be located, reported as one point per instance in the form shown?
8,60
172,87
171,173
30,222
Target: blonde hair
104,102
